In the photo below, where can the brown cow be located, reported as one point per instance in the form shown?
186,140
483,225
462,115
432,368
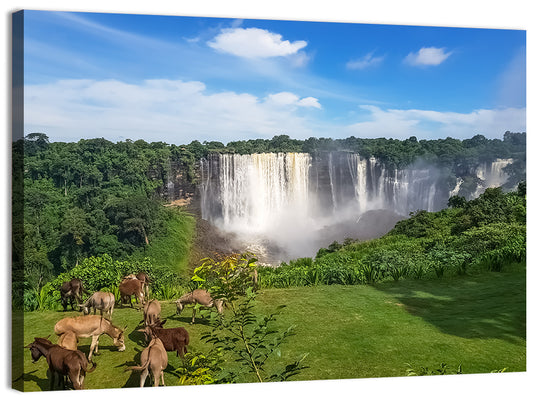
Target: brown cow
103,301
61,362
91,326
174,339
154,358
144,279
128,288
71,291
201,297
152,311
68,340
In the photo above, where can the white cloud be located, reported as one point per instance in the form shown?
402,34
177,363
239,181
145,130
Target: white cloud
309,102
367,61
160,110
178,112
427,56
285,98
254,43
425,124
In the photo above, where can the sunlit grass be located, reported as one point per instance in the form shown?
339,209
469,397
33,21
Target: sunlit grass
477,322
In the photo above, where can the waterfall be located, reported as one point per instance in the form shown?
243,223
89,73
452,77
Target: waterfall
290,198
490,175
254,190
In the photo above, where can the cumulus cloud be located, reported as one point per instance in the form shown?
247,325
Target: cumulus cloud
427,56
367,61
173,111
285,98
255,43
427,124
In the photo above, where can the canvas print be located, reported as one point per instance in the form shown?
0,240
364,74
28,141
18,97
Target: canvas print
201,200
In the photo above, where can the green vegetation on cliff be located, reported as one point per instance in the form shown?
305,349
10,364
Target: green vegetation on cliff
469,237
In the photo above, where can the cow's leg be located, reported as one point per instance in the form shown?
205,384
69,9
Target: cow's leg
144,374
82,379
51,377
193,314
156,375
162,378
94,345
74,376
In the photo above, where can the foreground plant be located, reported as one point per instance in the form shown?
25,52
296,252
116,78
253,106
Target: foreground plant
252,341
249,341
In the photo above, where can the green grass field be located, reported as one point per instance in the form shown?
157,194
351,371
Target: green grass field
478,322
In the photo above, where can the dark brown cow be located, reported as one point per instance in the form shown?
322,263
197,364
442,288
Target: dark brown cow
174,339
131,287
61,362
71,292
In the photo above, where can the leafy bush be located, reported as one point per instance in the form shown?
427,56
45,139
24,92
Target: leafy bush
251,341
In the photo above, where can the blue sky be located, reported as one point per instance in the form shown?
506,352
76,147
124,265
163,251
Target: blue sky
178,79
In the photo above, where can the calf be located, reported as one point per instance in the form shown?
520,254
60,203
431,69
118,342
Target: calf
71,291
144,279
174,339
61,362
131,287
154,358
201,297
152,312
68,340
102,301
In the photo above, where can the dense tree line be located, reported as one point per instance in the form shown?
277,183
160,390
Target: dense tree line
458,155
93,197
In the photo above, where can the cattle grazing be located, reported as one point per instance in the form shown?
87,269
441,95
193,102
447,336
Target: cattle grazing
102,301
152,312
130,287
154,359
201,297
174,339
91,326
68,340
144,279
61,362
71,291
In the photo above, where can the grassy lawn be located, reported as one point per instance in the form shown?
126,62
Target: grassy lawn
349,331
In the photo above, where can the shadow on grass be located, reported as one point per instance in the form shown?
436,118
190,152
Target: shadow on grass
491,305
42,383
187,320
134,379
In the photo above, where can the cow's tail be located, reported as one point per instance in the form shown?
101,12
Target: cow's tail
141,367
92,368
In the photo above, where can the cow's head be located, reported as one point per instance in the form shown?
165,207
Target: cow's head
179,306
119,340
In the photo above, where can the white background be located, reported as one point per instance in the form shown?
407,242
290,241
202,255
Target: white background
508,14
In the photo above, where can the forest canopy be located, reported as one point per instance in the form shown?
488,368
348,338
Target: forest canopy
96,197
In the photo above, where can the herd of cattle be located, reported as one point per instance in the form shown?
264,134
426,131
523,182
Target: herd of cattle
64,359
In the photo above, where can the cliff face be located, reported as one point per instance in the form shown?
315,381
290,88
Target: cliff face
289,201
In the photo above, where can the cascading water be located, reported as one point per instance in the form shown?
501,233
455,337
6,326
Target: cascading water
491,174
289,200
